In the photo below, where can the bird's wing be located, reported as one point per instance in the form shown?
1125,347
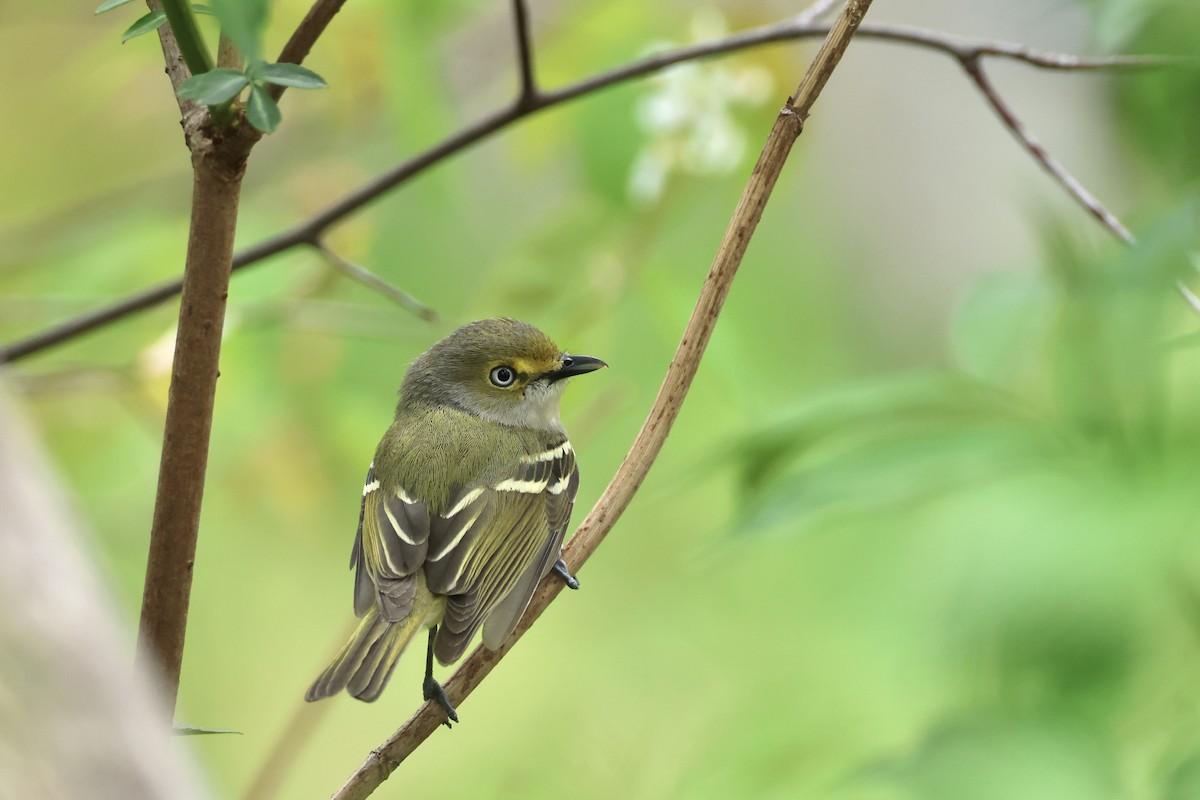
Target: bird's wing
393,536
495,542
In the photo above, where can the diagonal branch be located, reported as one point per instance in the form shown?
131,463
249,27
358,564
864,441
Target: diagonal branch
1040,154
372,281
971,63
307,232
789,123
305,36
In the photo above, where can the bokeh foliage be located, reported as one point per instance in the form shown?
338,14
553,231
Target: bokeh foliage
970,574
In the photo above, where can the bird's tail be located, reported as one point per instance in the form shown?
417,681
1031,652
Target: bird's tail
365,663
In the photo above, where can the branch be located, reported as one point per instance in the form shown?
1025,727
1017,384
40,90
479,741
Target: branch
305,36
788,125
971,63
373,281
176,68
309,231
528,94
974,68
182,21
217,184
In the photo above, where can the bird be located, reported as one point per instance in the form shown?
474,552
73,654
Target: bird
465,505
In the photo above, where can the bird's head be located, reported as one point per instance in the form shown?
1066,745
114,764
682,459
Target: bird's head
502,370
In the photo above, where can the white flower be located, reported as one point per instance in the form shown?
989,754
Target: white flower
688,116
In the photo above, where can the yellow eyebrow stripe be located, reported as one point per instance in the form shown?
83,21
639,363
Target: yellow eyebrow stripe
528,367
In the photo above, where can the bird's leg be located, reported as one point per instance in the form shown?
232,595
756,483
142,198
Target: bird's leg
570,580
431,688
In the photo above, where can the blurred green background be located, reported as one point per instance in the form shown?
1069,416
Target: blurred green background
927,525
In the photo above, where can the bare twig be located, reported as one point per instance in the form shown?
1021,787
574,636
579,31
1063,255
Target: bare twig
383,760
146,299
306,34
971,62
528,93
176,68
373,281
1039,153
307,232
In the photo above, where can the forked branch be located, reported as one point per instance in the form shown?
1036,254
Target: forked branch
964,50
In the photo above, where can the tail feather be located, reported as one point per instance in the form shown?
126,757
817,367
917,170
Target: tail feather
365,663
376,670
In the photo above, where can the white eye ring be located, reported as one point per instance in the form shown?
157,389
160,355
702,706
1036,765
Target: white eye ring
502,376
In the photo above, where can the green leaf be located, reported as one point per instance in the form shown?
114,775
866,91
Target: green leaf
262,110
289,75
145,24
109,5
202,9
213,87
191,730
242,21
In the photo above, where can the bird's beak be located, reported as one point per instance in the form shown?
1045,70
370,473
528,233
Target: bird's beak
575,365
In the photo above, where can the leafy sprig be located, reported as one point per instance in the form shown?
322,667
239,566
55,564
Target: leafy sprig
242,21
224,85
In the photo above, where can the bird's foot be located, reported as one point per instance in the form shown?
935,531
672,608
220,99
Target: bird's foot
434,691
570,580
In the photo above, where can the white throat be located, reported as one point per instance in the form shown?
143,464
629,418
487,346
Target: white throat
538,409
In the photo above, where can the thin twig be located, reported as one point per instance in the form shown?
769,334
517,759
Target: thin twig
971,62
306,34
528,93
1042,156
181,19
309,231
176,69
373,281
383,760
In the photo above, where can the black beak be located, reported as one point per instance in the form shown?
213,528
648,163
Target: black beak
575,365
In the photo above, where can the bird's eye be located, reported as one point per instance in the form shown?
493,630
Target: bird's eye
502,376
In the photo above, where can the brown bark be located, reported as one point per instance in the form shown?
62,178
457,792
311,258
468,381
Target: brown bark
218,166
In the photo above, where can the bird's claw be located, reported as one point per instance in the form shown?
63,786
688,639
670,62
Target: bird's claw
434,691
560,567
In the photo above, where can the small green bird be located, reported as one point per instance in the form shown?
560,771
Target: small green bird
465,505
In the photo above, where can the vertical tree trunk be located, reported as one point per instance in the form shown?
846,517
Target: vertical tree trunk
216,189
